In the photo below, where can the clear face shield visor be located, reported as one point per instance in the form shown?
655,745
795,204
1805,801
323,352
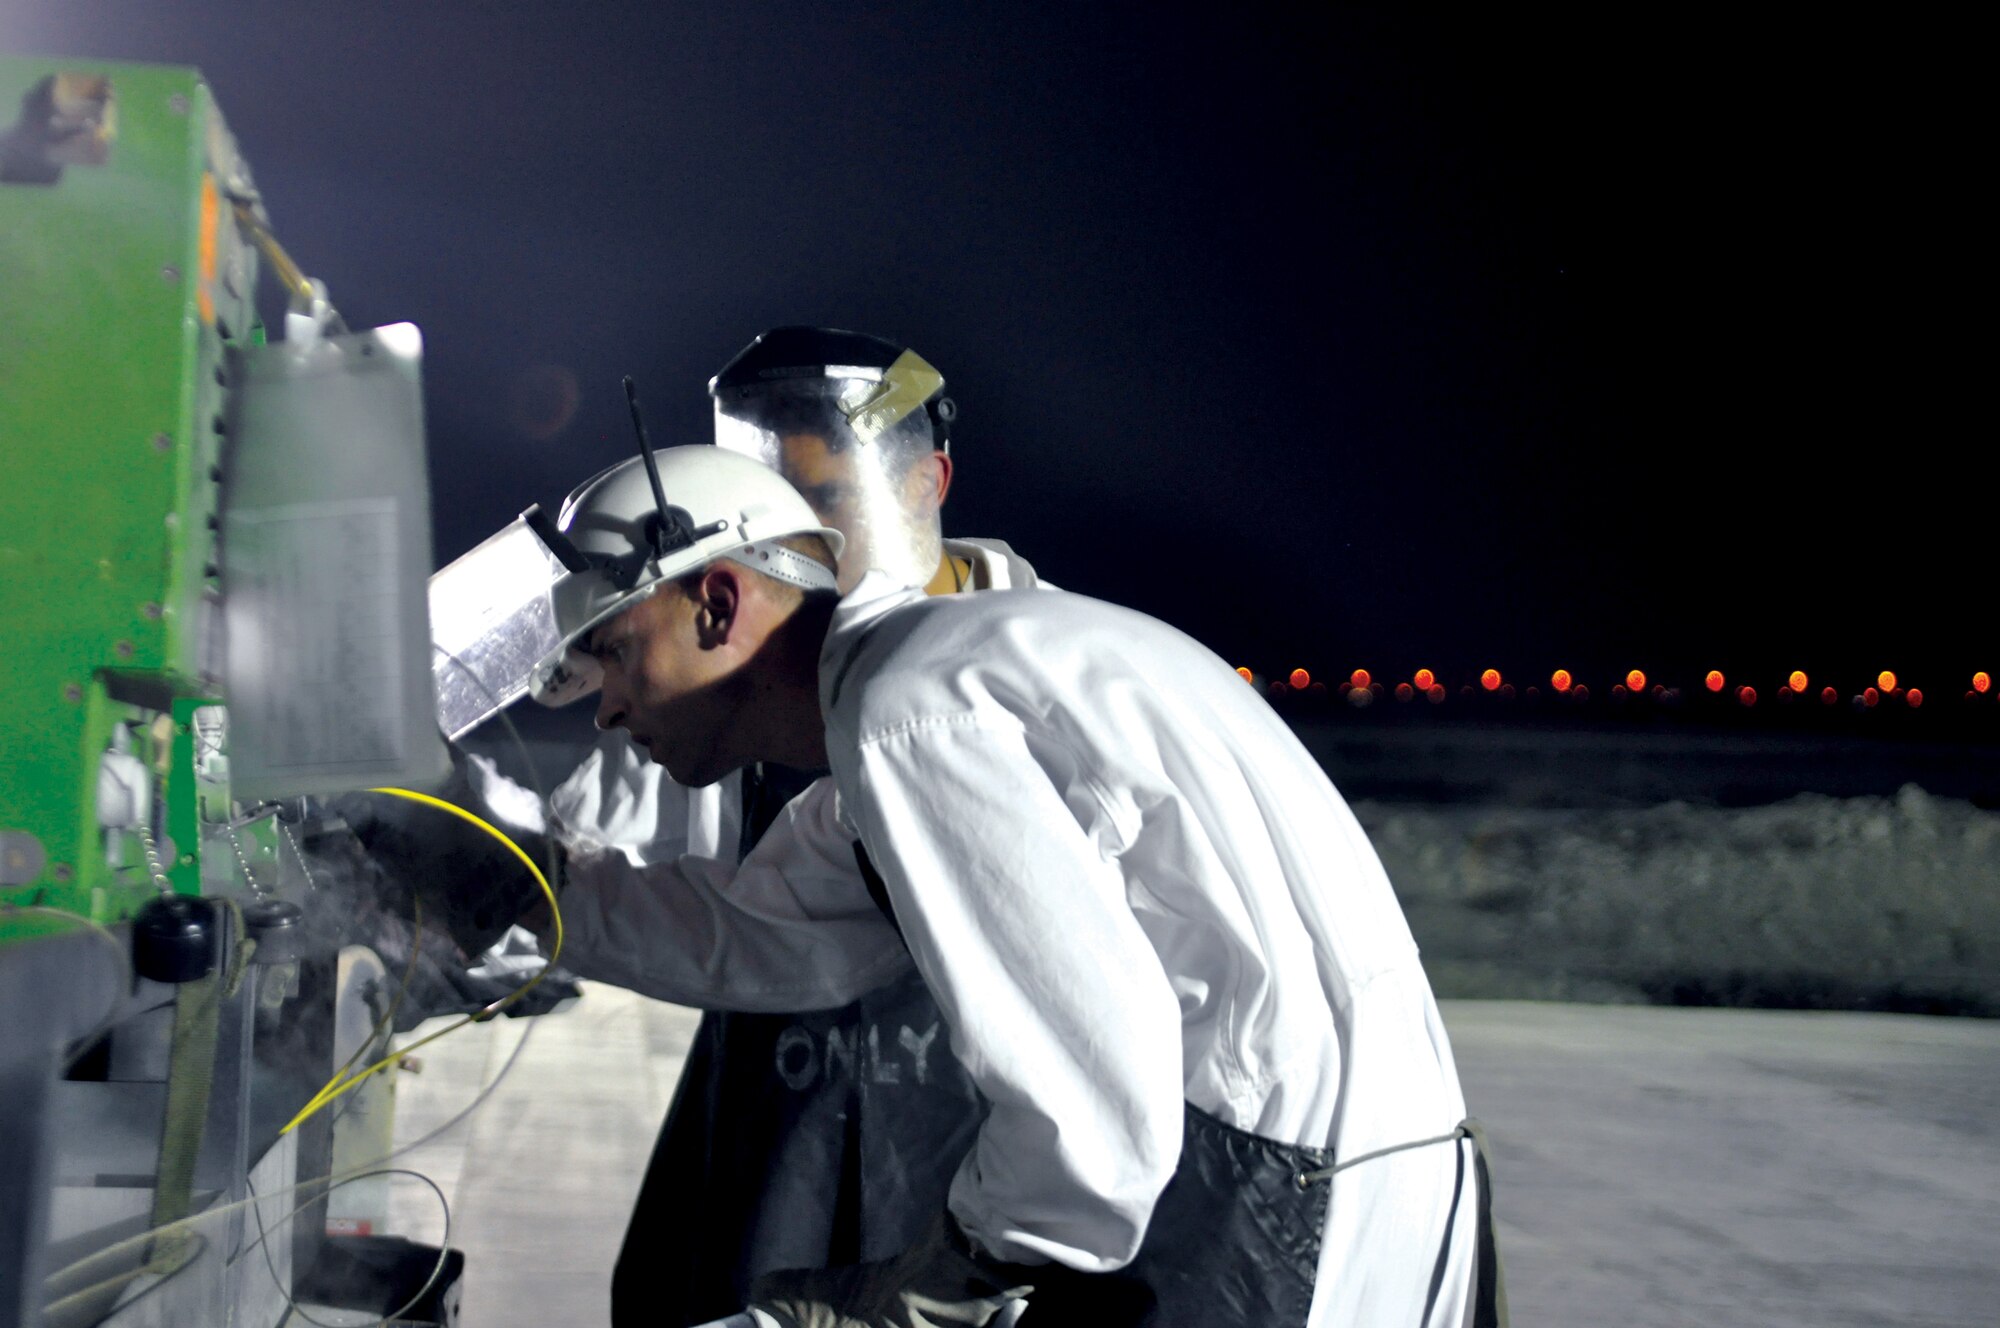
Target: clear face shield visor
861,460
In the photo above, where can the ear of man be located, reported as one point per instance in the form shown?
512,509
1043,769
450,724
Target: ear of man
722,591
941,467
717,593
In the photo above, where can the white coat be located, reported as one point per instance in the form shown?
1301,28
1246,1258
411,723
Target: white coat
1158,896
1162,898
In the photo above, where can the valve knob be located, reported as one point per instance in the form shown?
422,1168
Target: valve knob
173,939
278,927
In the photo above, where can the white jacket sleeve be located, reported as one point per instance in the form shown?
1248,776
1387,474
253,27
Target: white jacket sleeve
790,928
619,799
1058,1006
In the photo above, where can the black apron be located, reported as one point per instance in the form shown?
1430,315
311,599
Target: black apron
1234,1240
802,1140
1233,1243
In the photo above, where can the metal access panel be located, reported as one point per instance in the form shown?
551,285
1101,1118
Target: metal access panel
327,557
122,278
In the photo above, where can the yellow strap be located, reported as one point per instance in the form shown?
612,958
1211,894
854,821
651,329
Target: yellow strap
953,575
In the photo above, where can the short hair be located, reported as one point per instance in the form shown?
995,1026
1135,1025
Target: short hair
810,544
813,545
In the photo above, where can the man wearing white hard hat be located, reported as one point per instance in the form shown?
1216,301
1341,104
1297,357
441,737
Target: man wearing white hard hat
818,1135
1168,957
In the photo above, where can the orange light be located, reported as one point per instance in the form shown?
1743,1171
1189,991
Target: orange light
1747,695
1618,691
1425,680
1636,680
1714,681
1560,680
1301,680
1359,677
1886,680
1245,675
1435,693
1404,691
1490,680
1869,696
1916,697
1798,680
1828,696
1581,691
1982,682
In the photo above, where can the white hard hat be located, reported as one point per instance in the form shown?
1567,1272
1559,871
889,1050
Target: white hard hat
620,537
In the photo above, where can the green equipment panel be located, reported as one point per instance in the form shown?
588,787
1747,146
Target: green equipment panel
123,274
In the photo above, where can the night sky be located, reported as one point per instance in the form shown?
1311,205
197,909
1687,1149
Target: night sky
1368,339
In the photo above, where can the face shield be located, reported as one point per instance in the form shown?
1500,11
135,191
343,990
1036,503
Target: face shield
855,439
492,620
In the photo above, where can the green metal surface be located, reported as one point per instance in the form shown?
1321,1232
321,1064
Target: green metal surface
113,316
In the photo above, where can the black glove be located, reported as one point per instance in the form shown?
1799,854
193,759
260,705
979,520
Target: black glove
471,884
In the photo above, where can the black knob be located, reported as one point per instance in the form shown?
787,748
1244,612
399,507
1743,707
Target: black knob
278,928
173,939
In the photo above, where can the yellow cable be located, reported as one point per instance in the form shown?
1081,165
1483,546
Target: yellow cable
337,1086
389,1015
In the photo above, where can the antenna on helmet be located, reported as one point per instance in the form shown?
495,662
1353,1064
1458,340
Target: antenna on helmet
646,448
671,528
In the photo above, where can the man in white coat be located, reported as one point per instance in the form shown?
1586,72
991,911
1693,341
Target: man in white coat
1167,956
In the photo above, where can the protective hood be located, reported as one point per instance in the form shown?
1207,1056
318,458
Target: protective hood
851,421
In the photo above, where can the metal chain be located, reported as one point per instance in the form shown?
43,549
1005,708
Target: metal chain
249,876
152,849
304,865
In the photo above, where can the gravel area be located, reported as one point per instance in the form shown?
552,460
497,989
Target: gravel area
1865,903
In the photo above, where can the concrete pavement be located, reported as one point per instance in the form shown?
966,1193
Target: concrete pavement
1675,1166
1655,1166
